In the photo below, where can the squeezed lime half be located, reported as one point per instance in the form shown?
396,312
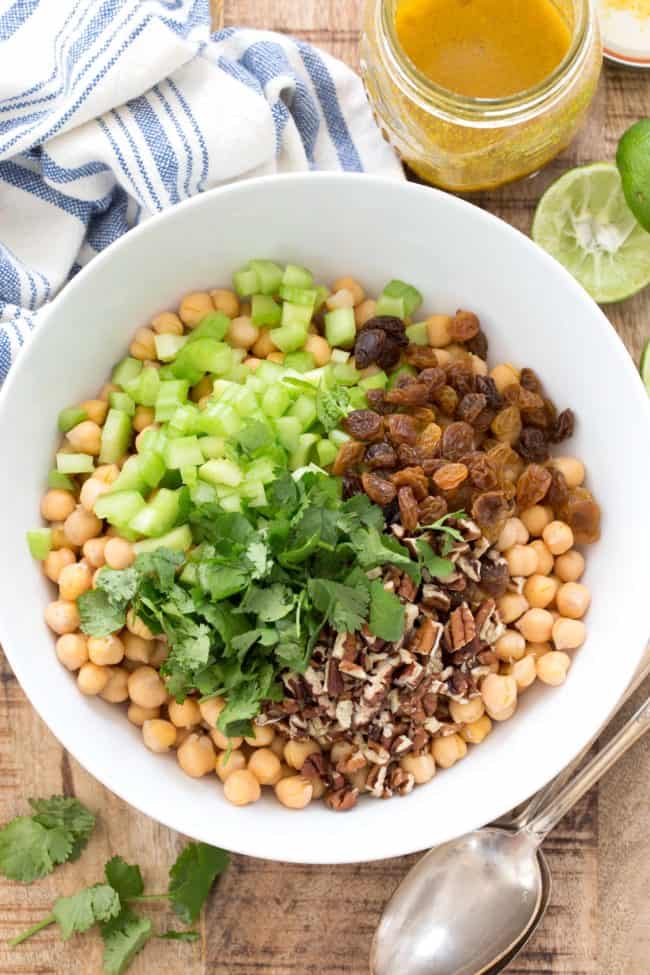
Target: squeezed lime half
633,161
584,221
644,366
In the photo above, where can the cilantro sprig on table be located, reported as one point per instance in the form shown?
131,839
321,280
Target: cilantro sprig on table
32,846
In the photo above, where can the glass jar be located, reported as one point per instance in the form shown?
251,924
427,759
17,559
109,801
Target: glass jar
463,143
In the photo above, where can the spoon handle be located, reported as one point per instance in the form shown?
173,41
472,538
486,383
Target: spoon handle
542,824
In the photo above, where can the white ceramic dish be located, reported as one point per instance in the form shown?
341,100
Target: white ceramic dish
458,255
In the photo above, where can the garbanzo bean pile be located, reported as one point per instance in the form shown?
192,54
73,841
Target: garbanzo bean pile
462,580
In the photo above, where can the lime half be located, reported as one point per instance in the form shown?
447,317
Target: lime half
633,161
644,366
584,221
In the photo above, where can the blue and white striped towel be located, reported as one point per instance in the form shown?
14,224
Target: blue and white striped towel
111,110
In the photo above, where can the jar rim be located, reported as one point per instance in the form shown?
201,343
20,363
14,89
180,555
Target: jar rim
489,111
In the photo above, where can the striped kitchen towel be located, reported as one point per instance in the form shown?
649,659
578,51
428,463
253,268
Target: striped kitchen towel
111,110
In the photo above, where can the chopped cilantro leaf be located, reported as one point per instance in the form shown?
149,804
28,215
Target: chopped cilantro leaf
99,616
331,406
345,608
437,566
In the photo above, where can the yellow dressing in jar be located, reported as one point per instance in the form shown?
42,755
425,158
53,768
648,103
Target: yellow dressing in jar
476,93
483,48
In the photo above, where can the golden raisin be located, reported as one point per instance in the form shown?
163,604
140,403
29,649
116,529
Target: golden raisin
413,477
464,326
532,486
506,426
350,453
402,429
364,425
457,440
408,509
379,489
450,476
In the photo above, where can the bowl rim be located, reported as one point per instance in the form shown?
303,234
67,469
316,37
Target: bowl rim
253,842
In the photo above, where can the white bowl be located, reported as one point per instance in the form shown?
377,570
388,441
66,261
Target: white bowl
459,256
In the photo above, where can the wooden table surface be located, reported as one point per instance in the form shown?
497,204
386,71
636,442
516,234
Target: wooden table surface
278,919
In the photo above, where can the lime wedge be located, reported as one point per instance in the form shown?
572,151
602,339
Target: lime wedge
644,366
633,161
584,221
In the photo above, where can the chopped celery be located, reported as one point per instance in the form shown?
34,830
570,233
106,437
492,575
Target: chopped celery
299,296
338,437
304,409
189,476
144,387
202,493
262,469
221,471
402,371
168,346
203,355
339,356
74,463
417,333
183,452
189,574
399,290
244,401
294,315
377,381
165,372
288,338
152,441
255,436
214,325
276,401
159,515
70,417
172,394
268,274
269,372
140,472
301,455
341,328
55,479
254,494
297,277
388,305
119,508
288,429
345,374
183,420
265,311
326,452
358,399
178,540
212,447
231,502
219,419
126,370
300,361
246,282
122,401
40,542
116,434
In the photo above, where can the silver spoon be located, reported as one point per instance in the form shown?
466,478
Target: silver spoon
471,904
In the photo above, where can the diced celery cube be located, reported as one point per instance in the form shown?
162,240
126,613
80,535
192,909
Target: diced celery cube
40,542
341,328
288,338
183,452
386,305
203,355
122,401
288,429
212,447
339,356
345,374
70,417
326,452
231,502
74,463
172,394
297,277
116,434
300,361
178,540
338,437
246,282
190,573
293,315
158,516
119,508
131,477
245,401
301,456
269,372
262,469
61,481
214,325
358,399
189,476
299,296
400,291
168,346
126,370
378,380
221,471
202,493
276,401
254,494
268,274
265,311
304,409
417,333
183,420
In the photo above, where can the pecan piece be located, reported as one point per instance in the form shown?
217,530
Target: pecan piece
427,637
400,781
342,799
462,627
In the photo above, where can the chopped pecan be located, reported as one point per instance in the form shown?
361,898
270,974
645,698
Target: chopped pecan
426,637
407,589
342,799
462,627
352,670
314,766
400,781
333,678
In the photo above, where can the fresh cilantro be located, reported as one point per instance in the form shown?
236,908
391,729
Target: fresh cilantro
78,913
192,876
386,613
269,604
123,936
257,553
98,615
331,406
255,435
31,846
120,585
345,608
434,564
450,534
374,549
179,936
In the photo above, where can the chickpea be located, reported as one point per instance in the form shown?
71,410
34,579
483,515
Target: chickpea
91,490
196,755
364,312
318,787
514,532
93,552
479,366
74,580
210,710
236,761
262,736
86,437
91,679
319,348
568,634
264,344
522,560
439,330
137,626
448,749
56,504
56,561
540,591
81,525
421,767
62,616
499,695
570,566
107,473
225,301
72,650
119,553
536,518
96,410
296,753
182,734
510,646
184,715
146,688
277,746
242,334
241,788
524,672
573,600
477,731
106,390
572,469
105,650
511,606
60,539
351,285
159,736
294,792
138,715
537,650
464,712
204,387
341,751
276,357
357,780
116,690
135,648
143,345
536,625
558,537
552,668
265,766
144,417
194,307
544,557
167,323
340,299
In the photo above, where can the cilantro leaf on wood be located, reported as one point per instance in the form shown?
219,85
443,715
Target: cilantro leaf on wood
78,913
64,814
25,850
123,936
98,615
125,878
386,613
192,876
